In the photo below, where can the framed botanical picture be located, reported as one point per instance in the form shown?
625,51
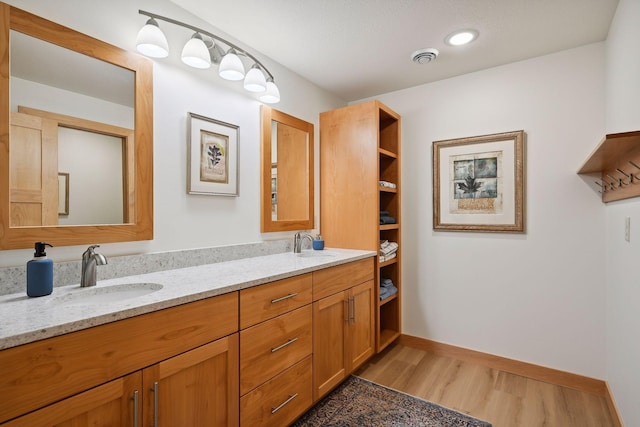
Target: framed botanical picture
212,159
478,183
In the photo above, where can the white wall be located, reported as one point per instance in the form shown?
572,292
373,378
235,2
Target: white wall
181,220
94,164
623,287
536,297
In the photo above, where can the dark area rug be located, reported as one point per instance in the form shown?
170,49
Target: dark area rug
358,402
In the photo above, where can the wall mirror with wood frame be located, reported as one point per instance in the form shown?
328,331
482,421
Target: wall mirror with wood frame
73,106
286,172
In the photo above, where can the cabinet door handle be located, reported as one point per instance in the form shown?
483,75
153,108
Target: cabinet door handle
135,408
155,404
353,309
281,346
280,406
286,297
347,311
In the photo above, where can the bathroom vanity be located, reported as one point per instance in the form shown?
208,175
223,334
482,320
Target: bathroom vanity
249,342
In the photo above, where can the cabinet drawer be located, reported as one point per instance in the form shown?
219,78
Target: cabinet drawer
265,302
272,346
335,279
280,401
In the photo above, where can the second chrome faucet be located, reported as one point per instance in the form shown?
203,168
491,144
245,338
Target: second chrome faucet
297,241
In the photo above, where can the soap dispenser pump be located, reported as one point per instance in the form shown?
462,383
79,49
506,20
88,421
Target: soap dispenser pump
40,272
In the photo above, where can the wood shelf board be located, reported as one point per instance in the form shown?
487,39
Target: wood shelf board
387,336
389,227
387,153
386,263
614,151
387,299
388,189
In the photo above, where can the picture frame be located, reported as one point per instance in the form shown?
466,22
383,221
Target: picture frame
63,194
478,183
212,156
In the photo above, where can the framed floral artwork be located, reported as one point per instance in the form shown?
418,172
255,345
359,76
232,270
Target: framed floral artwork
478,183
212,158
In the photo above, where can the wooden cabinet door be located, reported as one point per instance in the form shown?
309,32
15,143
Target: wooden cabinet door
198,388
34,171
329,356
112,404
360,337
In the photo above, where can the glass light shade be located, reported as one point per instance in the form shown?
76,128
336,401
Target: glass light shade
195,53
231,67
255,81
272,94
151,41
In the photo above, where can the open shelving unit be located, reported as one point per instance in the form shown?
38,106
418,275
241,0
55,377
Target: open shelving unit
359,147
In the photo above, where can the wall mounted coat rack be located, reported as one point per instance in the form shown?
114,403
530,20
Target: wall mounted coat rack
617,160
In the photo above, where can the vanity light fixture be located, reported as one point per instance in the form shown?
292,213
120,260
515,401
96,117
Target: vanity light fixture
151,40
205,48
195,53
231,67
255,81
272,95
461,37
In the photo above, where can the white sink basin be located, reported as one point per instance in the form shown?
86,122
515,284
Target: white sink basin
105,295
316,254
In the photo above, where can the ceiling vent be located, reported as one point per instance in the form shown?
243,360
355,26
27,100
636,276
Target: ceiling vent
424,56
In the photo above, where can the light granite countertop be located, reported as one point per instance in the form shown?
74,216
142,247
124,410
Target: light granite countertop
24,319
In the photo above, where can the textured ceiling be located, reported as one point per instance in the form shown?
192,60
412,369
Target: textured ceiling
362,48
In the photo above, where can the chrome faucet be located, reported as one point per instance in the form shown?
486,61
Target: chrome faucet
297,241
90,260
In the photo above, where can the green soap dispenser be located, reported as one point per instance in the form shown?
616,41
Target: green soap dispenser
40,272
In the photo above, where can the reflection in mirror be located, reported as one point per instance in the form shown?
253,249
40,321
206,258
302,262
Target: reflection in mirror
98,156
293,144
67,83
287,172
78,120
63,194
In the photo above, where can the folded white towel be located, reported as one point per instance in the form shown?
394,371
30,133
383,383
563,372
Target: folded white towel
383,258
392,247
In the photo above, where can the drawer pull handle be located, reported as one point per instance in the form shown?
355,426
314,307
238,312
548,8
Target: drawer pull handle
281,346
286,297
280,406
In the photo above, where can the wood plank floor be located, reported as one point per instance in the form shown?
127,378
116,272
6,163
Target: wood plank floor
503,399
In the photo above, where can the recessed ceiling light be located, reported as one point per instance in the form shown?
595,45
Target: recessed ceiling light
461,37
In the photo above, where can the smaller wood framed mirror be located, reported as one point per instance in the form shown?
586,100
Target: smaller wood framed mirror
287,173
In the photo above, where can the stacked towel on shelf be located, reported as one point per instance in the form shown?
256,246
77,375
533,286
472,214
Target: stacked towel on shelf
384,258
386,218
387,250
388,184
387,288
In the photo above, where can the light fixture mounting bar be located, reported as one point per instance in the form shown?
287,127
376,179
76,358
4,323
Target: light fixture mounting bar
208,34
